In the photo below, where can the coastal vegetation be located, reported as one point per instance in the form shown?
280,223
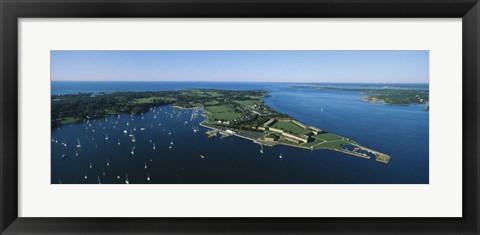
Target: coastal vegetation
386,94
229,112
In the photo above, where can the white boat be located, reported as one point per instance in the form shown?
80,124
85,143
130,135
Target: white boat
118,141
280,156
131,133
126,179
202,156
170,147
133,139
64,156
79,145
85,176
143,128
76,153
125,131
145,165
154,146
90,165
169,132
148,176
261,148
171,142
106,137
132,152
108,162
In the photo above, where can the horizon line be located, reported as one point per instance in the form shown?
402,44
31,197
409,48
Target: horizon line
245,82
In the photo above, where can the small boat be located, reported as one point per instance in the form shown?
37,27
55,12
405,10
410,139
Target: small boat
64,156
202,156
132,152
261,148
143,128
154,146
133,139
90,165
126,179
148,177
79,145
131,133
169,132
280,156
118,141
125,131
171,142
106,137
76,153
145,165
170,147
85,176
108,162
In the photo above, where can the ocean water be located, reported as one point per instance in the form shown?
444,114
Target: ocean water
399,131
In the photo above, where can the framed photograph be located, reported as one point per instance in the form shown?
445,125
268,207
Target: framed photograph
239,117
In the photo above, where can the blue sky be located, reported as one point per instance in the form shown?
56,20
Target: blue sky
247,66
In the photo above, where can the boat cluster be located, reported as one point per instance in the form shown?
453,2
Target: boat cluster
129,129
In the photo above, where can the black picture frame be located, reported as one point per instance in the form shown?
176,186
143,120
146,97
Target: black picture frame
12,10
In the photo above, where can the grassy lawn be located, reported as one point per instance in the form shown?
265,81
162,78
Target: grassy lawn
111,112
223,112
314,142
68,120
290,127
328,137
247,102
333,145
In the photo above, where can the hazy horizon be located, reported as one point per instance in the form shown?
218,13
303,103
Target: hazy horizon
253,82
387,67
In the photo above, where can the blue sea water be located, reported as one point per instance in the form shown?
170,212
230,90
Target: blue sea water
399,131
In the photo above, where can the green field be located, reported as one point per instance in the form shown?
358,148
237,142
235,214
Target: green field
223,112
68,120
290,127
328,137
247,102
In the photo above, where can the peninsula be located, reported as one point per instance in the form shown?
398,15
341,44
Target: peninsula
389,95
242,113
